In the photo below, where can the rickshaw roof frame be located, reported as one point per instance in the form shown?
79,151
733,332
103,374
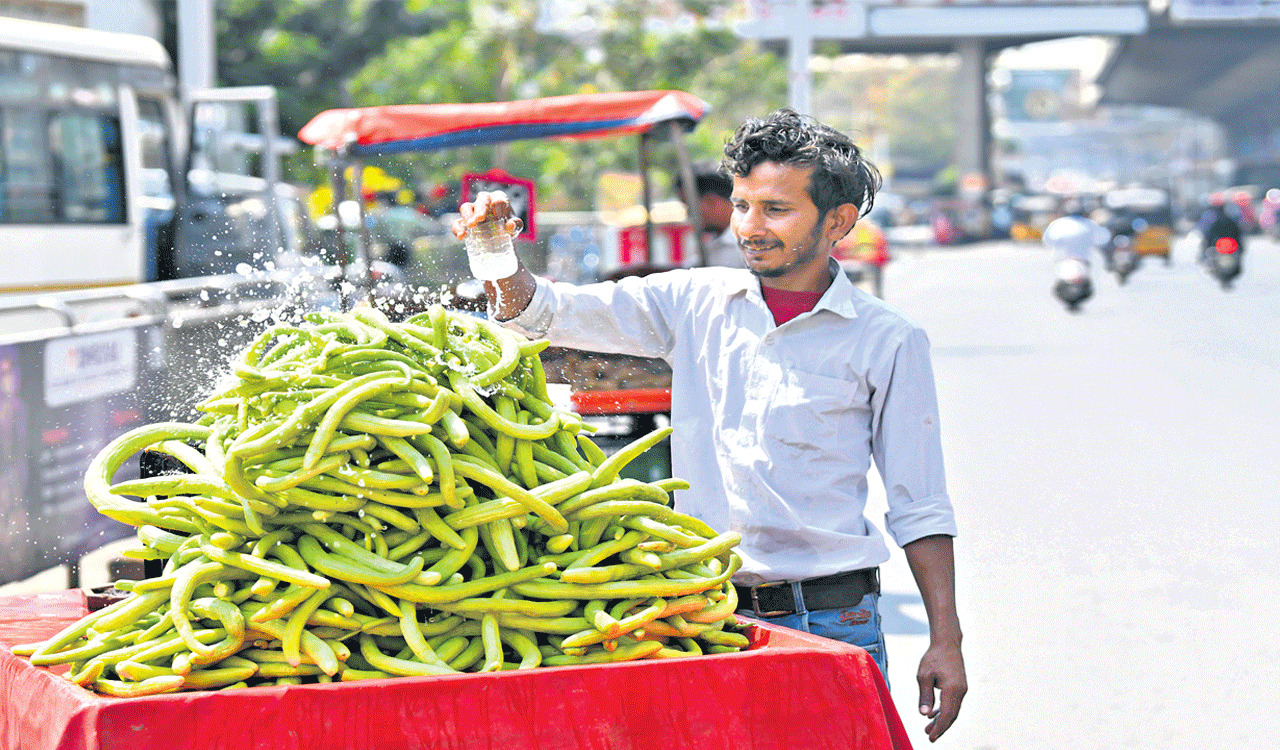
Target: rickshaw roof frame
405,128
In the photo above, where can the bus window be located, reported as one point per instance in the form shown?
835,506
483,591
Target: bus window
86,152
155,147
26,179
60,167
157,200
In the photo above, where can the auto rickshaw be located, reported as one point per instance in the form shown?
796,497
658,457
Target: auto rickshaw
863,253
345,138
1146,215
1031,214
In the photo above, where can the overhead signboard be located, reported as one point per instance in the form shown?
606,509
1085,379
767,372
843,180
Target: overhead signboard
1222,10
1041,95
818,18
845,19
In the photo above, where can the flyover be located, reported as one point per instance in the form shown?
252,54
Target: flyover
973,29
1219,60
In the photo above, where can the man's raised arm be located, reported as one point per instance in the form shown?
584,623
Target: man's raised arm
510,296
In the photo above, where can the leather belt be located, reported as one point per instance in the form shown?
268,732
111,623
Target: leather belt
837,591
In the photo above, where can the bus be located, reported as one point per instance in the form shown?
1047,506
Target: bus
107,178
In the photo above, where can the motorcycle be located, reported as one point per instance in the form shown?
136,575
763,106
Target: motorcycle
1122,258
1073,285
1224,261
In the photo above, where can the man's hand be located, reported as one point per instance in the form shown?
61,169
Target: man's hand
932,562
941,669
510,296
486,206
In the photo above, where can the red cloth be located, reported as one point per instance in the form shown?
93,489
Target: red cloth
401,128
790,689
786,305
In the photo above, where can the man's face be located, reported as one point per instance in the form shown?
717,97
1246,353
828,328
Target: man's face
777,224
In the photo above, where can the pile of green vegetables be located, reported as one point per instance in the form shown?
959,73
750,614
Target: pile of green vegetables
370,499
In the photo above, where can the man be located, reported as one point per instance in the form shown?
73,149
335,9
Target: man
1074,236
715,207
787,383
1217,222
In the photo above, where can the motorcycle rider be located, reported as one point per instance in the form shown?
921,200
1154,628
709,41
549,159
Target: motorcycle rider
1073,238
1216,223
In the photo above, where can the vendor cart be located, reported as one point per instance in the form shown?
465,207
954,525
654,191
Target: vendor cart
789,689
345,138
633,389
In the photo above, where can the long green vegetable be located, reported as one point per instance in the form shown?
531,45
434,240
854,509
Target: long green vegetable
369,498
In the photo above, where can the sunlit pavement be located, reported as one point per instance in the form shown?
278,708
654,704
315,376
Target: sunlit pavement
1115,475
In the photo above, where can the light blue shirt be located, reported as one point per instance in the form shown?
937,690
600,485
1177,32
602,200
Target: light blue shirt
776,426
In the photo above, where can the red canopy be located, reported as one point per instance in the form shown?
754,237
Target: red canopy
370,131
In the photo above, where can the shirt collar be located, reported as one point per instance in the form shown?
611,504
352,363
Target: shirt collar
838,298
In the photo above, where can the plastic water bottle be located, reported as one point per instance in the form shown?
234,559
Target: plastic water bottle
490,250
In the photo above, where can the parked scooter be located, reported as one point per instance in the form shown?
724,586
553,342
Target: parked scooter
1224,261
1073,285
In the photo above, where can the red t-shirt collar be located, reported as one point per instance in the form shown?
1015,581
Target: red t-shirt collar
786,305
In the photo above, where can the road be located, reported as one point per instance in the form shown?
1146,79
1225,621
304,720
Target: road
1114,473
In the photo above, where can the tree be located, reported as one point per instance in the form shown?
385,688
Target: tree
499,53
329,53
310,49
910,104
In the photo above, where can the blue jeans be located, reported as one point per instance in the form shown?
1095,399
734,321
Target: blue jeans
859,625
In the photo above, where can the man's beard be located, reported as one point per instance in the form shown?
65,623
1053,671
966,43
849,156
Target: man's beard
803,258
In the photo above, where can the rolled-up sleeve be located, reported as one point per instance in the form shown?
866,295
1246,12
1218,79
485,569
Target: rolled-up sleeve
535,319
907,445
631,316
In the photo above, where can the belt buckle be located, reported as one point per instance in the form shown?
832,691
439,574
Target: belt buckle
755,600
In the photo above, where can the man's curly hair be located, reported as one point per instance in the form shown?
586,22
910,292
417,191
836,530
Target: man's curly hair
840,172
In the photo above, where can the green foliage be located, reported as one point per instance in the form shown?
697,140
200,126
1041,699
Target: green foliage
309,49
911,105
331,53
497,53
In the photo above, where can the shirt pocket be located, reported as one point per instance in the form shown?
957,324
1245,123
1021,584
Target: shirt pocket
816,418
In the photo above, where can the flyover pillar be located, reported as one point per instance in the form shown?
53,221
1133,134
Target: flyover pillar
973,118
